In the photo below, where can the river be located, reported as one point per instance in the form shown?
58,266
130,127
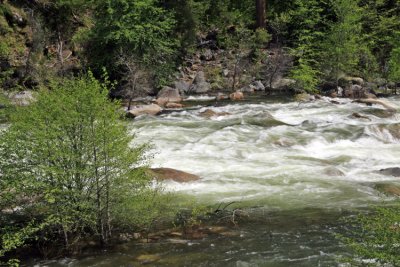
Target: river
294,168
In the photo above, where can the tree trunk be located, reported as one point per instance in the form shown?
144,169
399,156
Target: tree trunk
261,17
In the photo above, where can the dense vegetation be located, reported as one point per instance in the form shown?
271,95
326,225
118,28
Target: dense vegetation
142,43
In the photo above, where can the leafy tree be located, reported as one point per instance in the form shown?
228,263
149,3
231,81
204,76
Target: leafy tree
68,170
343,39
140,26
308,29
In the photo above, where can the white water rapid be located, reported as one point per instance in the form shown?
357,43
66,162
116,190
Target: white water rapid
278,155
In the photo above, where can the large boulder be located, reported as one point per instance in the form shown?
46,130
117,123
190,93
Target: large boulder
200,85
152,109
258,86
182,86
163,174
169,94
236,96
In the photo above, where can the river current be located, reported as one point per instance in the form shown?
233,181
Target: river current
298,166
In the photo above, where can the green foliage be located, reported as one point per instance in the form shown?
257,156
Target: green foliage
140,27
68,169
394,62
306,77
375,237
342,42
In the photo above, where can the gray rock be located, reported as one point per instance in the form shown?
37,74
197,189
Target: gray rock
200,85
283,83
258,86
391,172
200,77
225,72
169,95
182,86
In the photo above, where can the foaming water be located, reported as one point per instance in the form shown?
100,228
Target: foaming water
278,155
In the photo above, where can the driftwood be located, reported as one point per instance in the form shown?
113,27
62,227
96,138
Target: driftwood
387,105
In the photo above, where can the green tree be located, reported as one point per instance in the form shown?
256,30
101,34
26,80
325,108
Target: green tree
141,27
343,41
68,170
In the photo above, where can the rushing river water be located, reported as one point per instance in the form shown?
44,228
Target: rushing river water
297,166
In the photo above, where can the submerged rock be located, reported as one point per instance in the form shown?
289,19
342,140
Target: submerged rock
332,171
211,113
391,172
359,116
149,258
163,174
389,189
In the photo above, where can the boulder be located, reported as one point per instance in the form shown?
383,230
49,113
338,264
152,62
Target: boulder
391,172
258,86
283,83
182,86
304,97
358,91
200,77
236,96
163,174
152,109
168,94
173,105
200,85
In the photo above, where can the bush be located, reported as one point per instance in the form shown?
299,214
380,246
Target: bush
68,171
